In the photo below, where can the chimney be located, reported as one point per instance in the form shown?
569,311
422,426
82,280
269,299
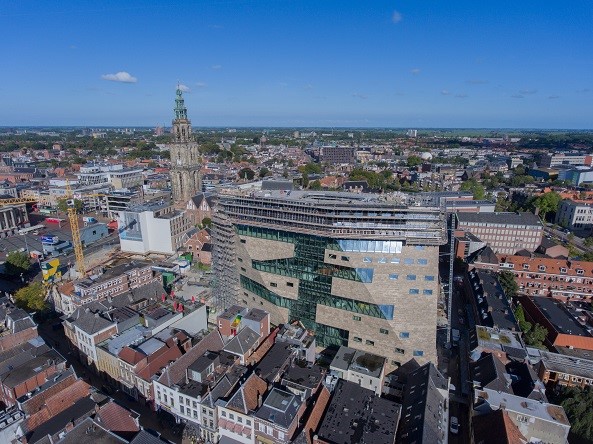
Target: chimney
260,399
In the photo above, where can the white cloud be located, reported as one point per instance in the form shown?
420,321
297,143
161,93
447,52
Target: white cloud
184,88
476,82
396,17
415,71
517,96
461,96
121,76
360,96
445,92
526,92
553,97
201,85
216,67
308,86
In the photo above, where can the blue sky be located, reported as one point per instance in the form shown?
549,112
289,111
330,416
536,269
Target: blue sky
417,63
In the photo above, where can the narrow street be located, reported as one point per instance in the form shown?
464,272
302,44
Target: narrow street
159,423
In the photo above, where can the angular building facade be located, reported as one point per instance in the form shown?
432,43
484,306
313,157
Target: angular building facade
185,156
358,271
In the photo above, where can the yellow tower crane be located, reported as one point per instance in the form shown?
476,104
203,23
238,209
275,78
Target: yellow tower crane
72,216
76,242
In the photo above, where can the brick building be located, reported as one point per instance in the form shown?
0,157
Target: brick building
113,282
559,278
505,233
565,328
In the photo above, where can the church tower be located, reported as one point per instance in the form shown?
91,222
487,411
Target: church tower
185,157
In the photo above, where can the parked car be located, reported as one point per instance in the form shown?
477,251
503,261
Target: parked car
454,425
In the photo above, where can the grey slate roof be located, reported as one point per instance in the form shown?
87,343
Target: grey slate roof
89,431
280,407
143,437
286,185
275,360
490,372
91,323
243,342
500,218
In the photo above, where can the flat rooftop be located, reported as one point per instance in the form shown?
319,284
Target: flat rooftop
521,220
559,316
357,415
112,273
362,362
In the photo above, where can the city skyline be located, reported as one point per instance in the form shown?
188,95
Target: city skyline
299,64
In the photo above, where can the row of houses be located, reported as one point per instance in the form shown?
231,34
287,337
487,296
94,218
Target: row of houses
43,400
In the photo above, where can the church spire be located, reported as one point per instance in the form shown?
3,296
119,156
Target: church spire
180,109
181,124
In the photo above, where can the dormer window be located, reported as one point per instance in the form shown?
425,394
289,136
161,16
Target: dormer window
580,271
525,266
562,269
542,268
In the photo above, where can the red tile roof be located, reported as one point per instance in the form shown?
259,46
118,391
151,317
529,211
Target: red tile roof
58,403
316,414
158,360
131,356
496,428
552,265
117,419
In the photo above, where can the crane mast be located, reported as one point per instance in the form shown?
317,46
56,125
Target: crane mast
76,242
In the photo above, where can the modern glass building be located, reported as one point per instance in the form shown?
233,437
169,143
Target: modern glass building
356,269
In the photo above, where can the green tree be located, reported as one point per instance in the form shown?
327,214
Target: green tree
588,242
311,168
263,172
502,203
31,297
315,185
246,173
474,187
63,206
536,336
207,222
17,262
547,203
508,283
413,161
305,179
520,316
578,405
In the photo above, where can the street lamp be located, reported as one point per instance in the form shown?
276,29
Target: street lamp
26,243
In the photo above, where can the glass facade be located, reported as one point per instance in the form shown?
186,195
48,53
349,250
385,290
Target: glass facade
315,279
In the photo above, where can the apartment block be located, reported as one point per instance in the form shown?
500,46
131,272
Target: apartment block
568,326
555,159
559,278
576,216
358,271
113,282
568,371
505,233
153,228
